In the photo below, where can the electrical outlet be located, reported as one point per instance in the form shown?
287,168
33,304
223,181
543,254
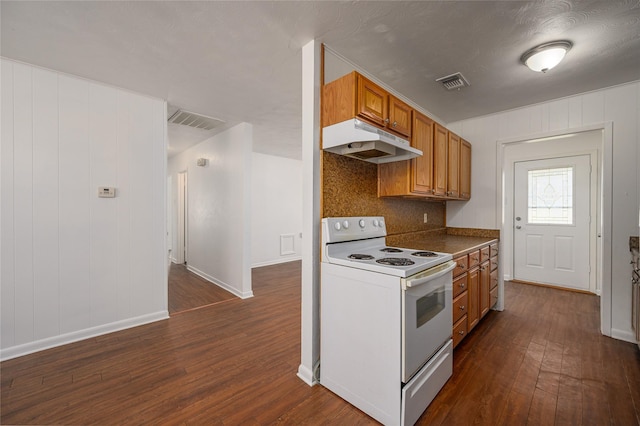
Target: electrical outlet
425,218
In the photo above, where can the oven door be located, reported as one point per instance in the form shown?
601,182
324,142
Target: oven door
426,316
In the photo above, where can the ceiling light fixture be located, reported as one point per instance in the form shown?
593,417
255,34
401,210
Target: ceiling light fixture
546,56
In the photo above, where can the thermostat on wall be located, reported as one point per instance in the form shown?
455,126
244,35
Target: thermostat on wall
106,192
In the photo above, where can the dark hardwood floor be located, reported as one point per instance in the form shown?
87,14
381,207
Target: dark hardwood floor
541,361
188,291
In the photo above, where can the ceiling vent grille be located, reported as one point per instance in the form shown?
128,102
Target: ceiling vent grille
191,119
453,82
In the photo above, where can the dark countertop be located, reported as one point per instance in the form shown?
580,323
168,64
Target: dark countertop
457,245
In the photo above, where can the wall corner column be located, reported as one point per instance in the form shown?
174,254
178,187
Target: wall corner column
310,318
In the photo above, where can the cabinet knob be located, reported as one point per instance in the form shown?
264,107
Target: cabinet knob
461,285
386,120
462,307
395,123
461,332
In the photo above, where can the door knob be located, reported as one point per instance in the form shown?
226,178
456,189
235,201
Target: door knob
518,227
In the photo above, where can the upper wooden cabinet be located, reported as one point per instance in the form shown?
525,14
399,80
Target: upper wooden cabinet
465,170
453,166
399,116
411,177
371,102
353,95
440,145
443,171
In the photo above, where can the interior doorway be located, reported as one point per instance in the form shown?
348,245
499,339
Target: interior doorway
551,254
182,234
554,204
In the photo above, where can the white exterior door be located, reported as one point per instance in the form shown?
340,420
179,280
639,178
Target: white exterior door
552,221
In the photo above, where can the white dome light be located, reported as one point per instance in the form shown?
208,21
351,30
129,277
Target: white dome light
546,56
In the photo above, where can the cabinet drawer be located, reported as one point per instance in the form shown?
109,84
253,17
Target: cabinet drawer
493,297
494,279
459,331
493,249
460,306
494,263
484,254
459,285
462,264
474,259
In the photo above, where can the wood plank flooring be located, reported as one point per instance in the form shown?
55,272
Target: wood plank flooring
541,361
188,291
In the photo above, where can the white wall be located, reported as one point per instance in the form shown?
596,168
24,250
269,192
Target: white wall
219,208
276,216
619,106
75,265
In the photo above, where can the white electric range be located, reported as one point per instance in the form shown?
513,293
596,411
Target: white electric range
386,320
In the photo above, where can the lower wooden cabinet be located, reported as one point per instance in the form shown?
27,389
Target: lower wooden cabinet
493,296
460,306
493,277
459,331
475,289
473,285
485,287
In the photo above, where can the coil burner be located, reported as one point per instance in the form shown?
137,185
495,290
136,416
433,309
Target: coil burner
360,256
424,254
395,261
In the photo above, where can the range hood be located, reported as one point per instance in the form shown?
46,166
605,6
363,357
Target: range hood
357,139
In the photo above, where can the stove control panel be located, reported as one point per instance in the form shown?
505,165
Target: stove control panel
340,229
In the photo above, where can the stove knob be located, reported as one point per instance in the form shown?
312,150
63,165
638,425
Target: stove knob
345,224
337,226
375,222
361,223
382,224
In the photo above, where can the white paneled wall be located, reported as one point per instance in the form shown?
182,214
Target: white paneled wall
620,107
277,214
75,265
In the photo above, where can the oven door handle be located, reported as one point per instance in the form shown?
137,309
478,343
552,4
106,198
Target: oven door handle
439,271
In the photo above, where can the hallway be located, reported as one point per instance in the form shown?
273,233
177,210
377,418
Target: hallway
188,291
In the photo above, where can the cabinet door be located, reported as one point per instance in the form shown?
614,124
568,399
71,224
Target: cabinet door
485,288
473,297
399,117
422,167
440,142
453,166
465,170
372,101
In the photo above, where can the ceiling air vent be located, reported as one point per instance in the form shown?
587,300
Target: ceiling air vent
191,119
453,82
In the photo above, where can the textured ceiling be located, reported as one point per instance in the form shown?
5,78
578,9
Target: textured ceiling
241,61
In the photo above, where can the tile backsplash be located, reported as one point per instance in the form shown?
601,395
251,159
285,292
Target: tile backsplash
350,188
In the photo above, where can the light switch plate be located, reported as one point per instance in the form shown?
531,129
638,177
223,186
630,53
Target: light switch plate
106,192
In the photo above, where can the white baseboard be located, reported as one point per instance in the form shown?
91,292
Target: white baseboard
627,336
63,339
276,261
306,375
220,283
